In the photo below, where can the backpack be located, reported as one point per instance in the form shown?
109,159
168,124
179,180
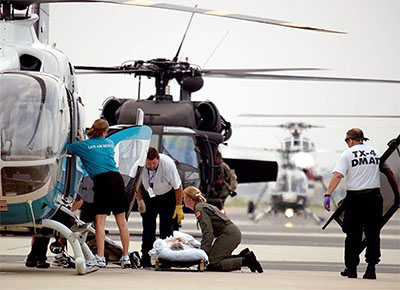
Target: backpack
231,177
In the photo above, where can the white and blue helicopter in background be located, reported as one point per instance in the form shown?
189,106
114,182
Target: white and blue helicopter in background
294,187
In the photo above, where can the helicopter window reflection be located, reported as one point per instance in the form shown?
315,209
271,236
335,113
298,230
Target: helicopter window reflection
180,148
28,121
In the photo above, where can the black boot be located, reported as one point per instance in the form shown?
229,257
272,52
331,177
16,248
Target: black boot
244,252
370,272
250,261
349,272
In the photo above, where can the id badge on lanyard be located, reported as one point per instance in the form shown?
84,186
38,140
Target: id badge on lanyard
151,184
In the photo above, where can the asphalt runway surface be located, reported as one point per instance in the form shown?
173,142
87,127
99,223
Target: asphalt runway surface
300,231
295,254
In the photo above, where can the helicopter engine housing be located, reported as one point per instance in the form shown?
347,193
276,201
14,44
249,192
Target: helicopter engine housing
194,115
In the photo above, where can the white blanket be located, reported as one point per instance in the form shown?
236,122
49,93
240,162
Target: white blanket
179,248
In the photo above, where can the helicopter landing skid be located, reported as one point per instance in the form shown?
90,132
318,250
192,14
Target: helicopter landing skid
309,212
264,213
77,241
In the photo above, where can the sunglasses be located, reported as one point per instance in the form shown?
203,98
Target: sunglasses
347,139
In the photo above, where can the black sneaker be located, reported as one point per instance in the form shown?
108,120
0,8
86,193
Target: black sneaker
135,259
250,261
349,273
370,272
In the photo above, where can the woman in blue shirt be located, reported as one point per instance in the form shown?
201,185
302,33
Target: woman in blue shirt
97,155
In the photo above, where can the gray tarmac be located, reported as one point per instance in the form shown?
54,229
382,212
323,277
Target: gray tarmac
295,254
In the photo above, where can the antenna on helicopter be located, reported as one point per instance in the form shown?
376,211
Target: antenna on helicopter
184,36
215,49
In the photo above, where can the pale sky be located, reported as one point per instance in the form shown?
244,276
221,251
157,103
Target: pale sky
105,34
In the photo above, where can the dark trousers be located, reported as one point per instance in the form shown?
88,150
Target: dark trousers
39,249
220,257
163,205
362,214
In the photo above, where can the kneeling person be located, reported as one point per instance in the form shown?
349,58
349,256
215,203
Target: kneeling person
215,225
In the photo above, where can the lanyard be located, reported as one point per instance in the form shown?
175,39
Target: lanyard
150,178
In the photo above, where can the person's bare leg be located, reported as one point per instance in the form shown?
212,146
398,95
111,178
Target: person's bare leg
123,232
100,222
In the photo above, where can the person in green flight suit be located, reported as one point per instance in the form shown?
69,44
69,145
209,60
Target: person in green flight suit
220,236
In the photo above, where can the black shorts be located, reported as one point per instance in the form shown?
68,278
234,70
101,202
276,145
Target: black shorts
109,193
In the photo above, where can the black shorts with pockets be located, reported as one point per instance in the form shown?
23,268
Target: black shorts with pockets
109,193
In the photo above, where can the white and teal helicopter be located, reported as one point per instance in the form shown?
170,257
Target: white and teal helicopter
40,114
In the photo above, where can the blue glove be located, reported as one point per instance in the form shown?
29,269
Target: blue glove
327,202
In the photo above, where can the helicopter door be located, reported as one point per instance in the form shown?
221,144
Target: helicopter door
130,148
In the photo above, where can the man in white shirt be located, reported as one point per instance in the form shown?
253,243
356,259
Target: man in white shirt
360,164
161,194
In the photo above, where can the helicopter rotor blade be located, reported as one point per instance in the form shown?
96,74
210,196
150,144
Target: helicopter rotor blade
234,73
298,78
86,70
285,126
206,72
316,116
98,68
239,71
145,3
101,72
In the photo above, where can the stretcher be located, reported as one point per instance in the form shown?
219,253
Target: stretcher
161,263
179,251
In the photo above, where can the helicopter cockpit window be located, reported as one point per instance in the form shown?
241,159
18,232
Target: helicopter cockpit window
299,183
287,144
154,140
180,148
283,185
23,180
306,146
29,122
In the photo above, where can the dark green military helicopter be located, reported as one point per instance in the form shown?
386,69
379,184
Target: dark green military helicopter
190,132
